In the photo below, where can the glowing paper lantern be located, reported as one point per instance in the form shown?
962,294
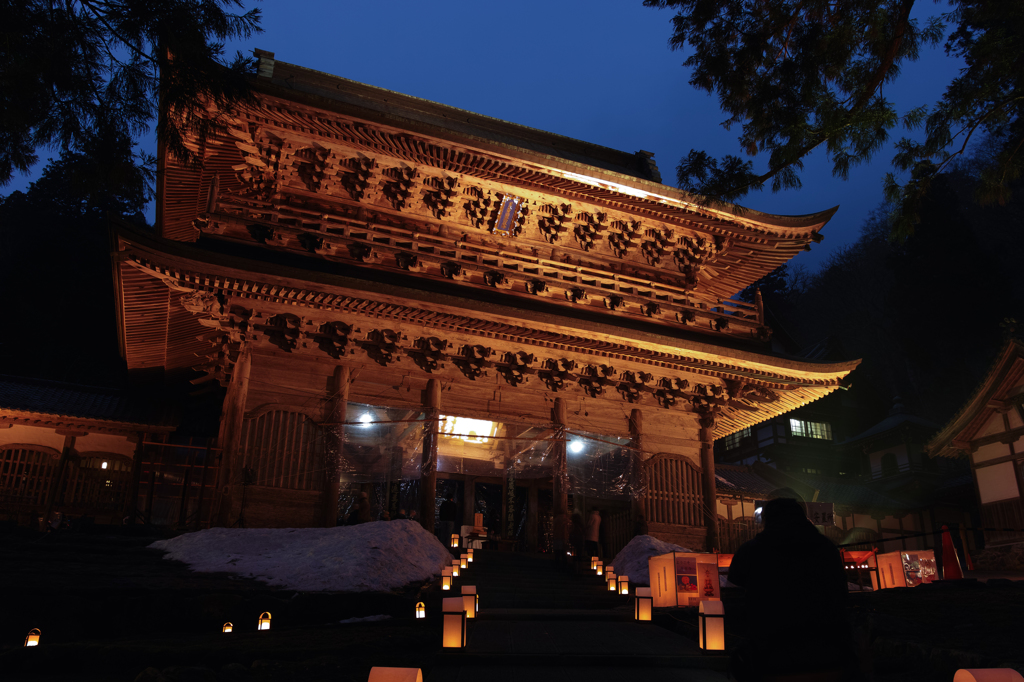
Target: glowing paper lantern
623,584
264,620
455,568
613,584
644,604
464,561
421,610
378,674
446,579
593,563
455,539
454,615
683,578
228,627
470,552
32,638
470,599
599,568
711,626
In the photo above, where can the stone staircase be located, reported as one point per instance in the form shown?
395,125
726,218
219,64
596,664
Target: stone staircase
539,621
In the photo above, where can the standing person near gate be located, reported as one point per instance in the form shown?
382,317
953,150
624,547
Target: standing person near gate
593,532
448,513
795,591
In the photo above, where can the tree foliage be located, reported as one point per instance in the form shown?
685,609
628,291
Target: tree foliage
799,74
73,69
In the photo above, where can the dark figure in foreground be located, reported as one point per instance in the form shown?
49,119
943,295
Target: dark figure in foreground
795,621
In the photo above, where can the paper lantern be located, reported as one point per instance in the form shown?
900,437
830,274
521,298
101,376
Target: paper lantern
470,599
378,674
421,610
593,563
643,606
228,627
454,616
32,638
987,675
623,584
470,552
446,579
455,568
264,620
613,584
600,568
455,539
464,561
683,578
711,626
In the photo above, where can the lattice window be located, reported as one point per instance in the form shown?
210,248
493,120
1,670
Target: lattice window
819,430
284,450
25,475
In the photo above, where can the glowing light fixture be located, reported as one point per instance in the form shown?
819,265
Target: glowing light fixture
454,628
470,553
455,539
469,430
455,568
32,638
464,561
593,563
623,584
103,466
470,600
421,610
613,585
644,604
576,447
599,567
711,626
264,620
446,579
366,420
228,627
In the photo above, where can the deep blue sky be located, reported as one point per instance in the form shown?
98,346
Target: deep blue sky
598,71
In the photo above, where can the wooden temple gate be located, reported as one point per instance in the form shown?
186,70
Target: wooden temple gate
371,252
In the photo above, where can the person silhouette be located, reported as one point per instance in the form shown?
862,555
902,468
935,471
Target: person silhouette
794,619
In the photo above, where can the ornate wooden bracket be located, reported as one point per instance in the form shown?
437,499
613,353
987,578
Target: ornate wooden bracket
553,220
588,227
556,372
428,352
397,185
440,195
625,237
472,360
332,338
662,242
515,366
595,378
381,345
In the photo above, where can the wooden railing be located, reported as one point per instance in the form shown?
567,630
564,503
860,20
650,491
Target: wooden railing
673,491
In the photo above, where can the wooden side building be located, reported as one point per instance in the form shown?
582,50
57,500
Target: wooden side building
362,270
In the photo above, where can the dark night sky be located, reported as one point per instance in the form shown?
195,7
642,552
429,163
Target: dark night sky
598,71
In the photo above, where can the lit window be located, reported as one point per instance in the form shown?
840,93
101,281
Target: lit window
469,430
733,439
821,430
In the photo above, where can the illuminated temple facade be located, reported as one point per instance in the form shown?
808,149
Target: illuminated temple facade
397,293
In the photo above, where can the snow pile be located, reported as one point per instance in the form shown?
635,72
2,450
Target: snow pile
632,560
369,557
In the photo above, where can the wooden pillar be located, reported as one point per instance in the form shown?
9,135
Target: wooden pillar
58,476
710,485
636,430
131,505
428,467
229,438
560,483
337,409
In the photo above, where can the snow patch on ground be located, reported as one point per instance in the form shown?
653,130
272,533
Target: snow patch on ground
632,559
369,557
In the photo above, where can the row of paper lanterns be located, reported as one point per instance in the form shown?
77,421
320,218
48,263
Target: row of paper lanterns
710,614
